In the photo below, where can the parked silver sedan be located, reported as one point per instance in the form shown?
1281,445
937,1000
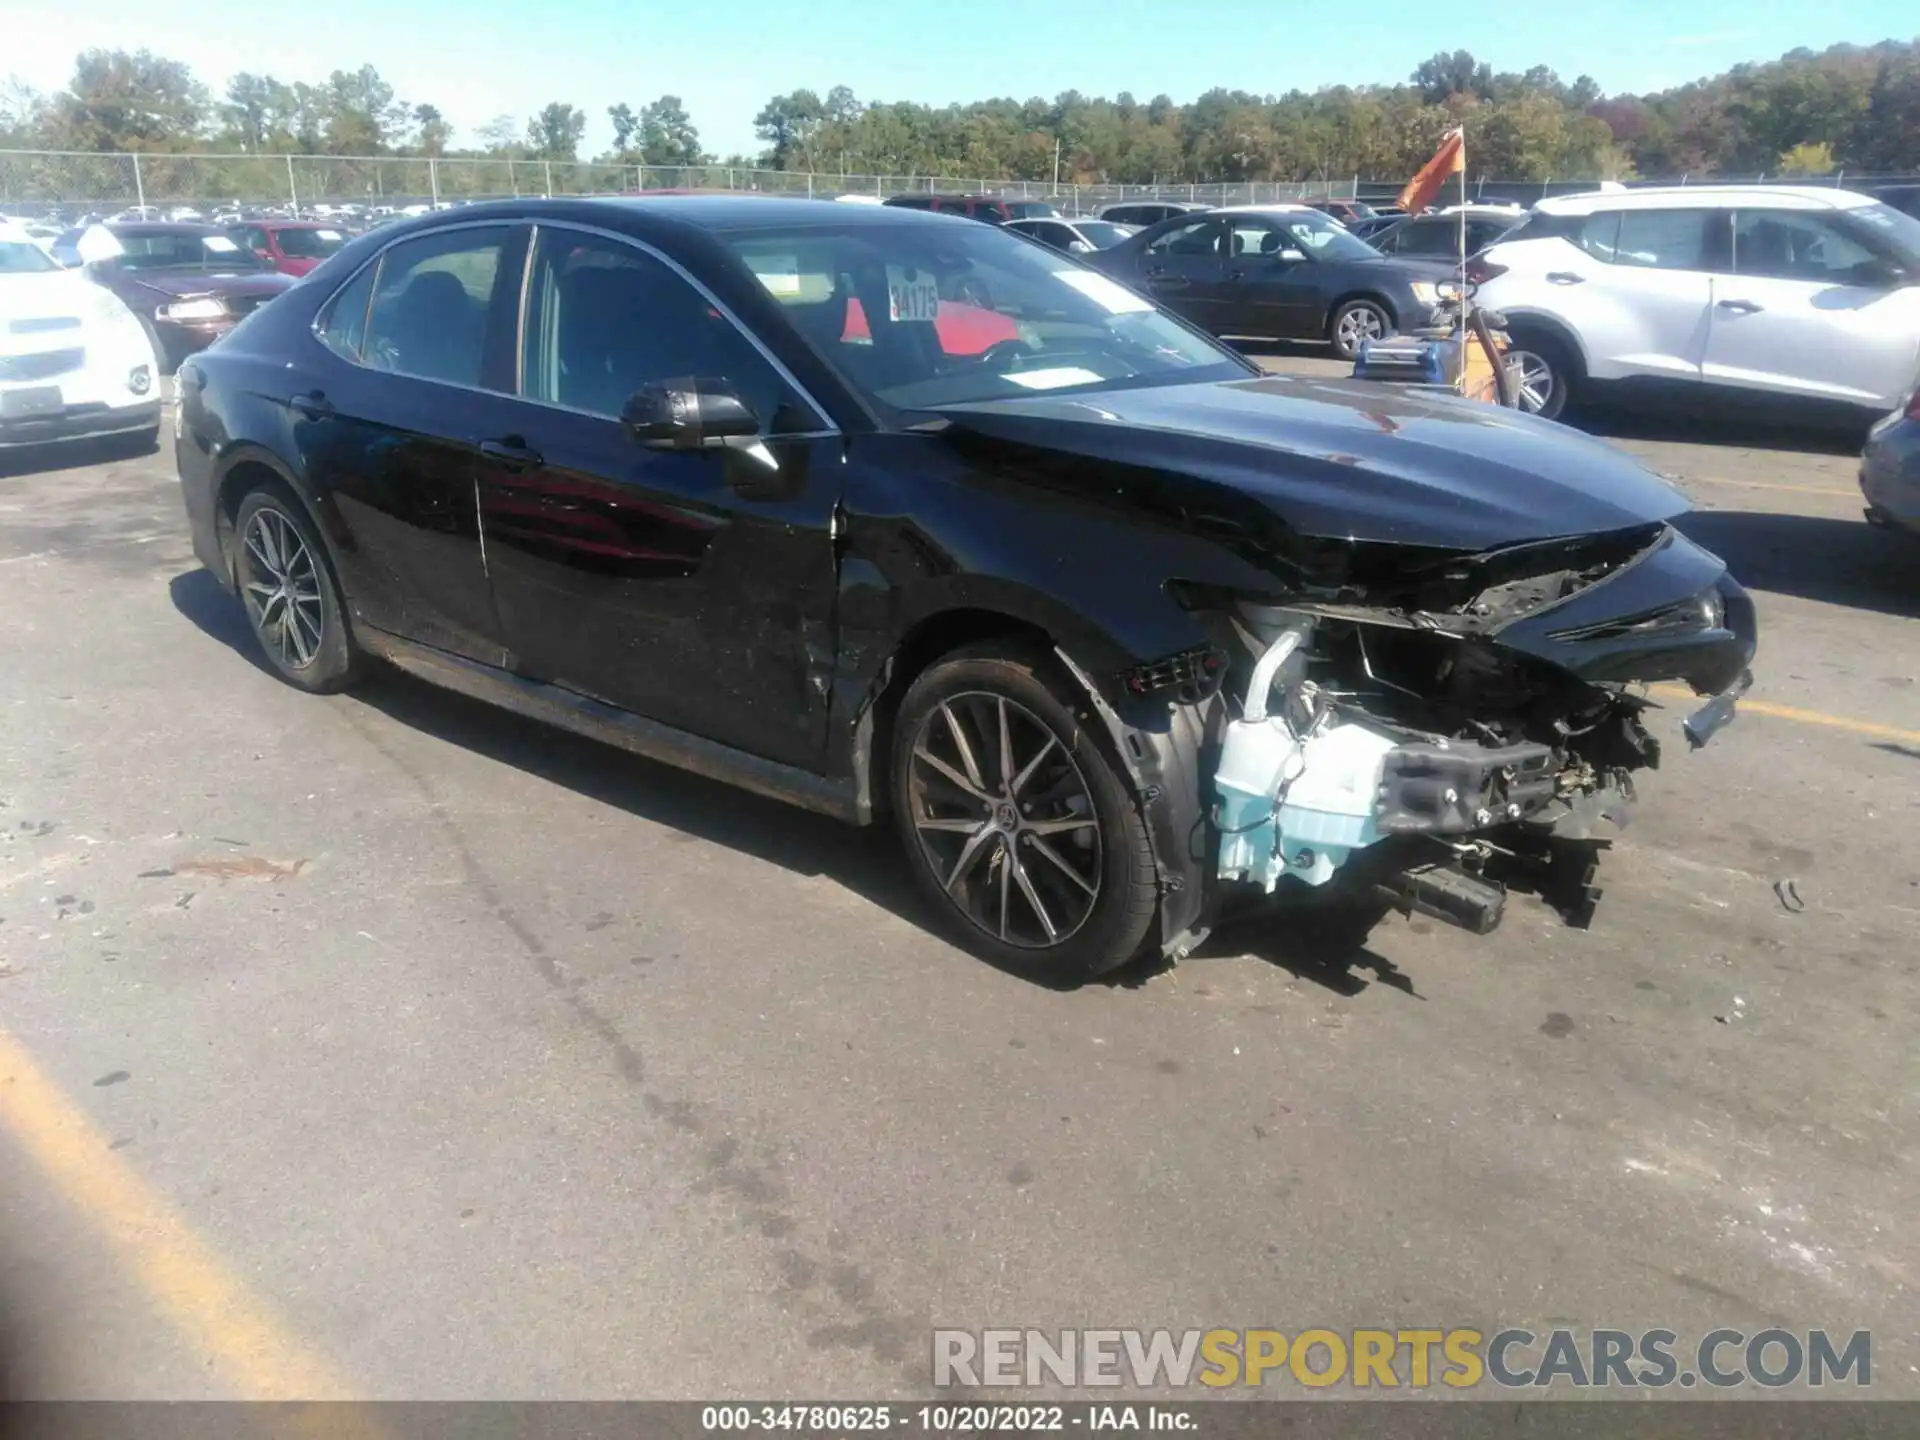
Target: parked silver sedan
1890,469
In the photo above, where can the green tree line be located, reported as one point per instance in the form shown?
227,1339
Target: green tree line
1850,107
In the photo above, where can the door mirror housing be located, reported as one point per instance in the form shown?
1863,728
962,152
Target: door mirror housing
691,413
1289,256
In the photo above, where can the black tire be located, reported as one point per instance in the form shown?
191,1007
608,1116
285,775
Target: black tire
1356,320
305,595
1028,858
1533,354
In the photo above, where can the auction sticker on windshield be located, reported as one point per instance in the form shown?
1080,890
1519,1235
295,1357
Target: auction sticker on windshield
219,244
912,294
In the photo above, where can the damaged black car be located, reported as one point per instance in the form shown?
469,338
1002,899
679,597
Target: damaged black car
909,520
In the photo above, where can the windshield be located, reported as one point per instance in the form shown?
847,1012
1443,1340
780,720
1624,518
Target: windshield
309,244
1322,238
1104,233
1031,210
23,257
1899,230
184,250
919,316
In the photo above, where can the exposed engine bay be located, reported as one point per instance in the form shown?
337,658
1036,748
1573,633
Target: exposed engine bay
1406,748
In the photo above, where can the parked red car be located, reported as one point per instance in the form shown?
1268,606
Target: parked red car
293,247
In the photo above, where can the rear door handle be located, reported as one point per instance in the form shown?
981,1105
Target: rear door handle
1741,307
314,404
1565,277
508,454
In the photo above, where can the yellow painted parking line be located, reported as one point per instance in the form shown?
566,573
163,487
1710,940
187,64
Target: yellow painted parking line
1748,706
1843,492
181,1275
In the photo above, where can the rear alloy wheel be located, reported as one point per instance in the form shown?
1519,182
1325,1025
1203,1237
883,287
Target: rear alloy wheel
288,590
1017,826
1542,375
1353,324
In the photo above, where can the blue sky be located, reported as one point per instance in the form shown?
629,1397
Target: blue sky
479,58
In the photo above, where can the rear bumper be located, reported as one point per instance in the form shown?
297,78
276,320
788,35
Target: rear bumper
80,422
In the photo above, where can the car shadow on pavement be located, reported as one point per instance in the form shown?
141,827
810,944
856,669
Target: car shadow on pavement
73,455
866,861
1677,425
1841,562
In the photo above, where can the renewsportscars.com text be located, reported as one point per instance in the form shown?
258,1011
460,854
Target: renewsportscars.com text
1414,1359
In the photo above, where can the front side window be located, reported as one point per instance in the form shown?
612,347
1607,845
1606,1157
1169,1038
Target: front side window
605,319
1796,245
430,305
1254,238
919,316
1314,236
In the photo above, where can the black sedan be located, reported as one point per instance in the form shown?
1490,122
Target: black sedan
891,517
1276,273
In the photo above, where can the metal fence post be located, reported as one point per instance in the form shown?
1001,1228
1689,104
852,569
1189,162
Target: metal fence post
433,179
546,177
293,190
139,186
809,185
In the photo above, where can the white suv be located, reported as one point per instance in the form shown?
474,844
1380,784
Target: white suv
1783,291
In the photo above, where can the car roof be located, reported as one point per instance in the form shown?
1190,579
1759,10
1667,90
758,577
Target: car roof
713,213
1682,197
163,227
1472,212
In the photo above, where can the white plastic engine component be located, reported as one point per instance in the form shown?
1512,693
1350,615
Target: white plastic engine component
1293,803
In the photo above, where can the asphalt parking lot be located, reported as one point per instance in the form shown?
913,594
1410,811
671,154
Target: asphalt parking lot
389,1045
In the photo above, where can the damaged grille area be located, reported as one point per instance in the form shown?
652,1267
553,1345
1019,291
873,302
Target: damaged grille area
1369,726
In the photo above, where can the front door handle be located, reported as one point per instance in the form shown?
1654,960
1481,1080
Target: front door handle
510,454
1565,277
1741,307
314,404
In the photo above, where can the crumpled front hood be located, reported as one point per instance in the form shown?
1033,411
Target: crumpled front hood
1345,459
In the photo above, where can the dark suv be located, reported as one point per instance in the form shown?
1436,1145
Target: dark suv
990,208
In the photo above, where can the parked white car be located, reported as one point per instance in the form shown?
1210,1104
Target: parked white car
74,362
1779,292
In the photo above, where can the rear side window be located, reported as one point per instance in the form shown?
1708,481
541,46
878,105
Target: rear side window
1664,239
1202,237
1598,235
343,325
430,306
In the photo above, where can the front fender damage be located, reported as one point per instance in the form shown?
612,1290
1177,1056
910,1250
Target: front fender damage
1429,739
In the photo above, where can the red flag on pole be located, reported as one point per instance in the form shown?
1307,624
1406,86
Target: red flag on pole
1449,159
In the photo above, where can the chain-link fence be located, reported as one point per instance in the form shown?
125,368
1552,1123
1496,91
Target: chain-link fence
42,182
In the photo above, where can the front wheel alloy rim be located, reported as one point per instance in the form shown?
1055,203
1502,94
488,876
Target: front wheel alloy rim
282,590
1005,820
1360,323
1532,380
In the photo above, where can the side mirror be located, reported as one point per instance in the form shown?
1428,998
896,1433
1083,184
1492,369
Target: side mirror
1883,274
1290,256
688,414
1079,247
